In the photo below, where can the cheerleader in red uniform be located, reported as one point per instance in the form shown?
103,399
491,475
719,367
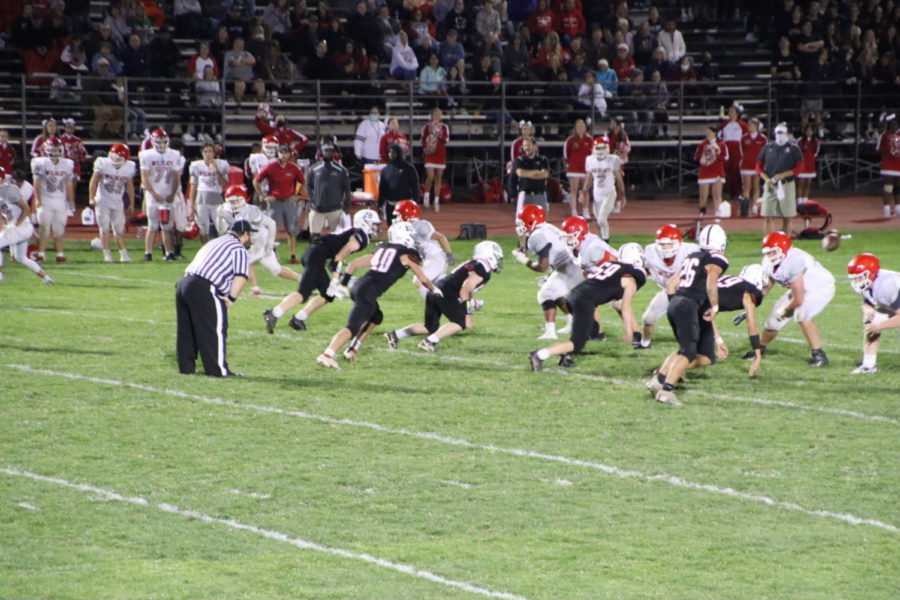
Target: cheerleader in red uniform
809,145
578,147
889,148
712,155
392,136
751,143
731,131
435,136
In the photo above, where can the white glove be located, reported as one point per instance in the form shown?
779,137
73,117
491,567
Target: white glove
437,292
336,290
520,256
779,190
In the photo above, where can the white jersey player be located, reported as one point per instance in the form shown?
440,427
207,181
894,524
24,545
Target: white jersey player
161,169
548,243
112,179
209,176
259,160
880,291
604,170
433,245
262,242
811,289
15,226
54,195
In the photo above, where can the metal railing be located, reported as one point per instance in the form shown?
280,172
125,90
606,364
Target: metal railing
664,124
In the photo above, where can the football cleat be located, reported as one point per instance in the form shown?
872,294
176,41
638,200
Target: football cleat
270,320
599,336
654,385
566,360
536,363
297,324
124,257
668,398
351,354
148,257
170,257
861,370
427,346
48,280
391,339
294,260
61,259
818,359
548,334
328,362
566,329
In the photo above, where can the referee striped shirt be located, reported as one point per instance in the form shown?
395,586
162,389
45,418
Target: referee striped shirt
219,261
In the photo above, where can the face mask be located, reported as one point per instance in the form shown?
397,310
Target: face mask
781,139
373,117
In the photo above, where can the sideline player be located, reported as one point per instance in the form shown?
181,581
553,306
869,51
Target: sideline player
549,246
209,176
880,291
161,168
334,247
811,289
663,259
54,195
435,250
386,265
17,228
458,300
112,179
604,170
692,313
612,280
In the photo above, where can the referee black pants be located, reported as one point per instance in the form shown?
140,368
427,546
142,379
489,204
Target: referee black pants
202,326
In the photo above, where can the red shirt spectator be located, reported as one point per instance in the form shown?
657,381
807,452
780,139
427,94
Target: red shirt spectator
390,138
293,138
543,20
559,6
41,60
571,21
622,63
284,180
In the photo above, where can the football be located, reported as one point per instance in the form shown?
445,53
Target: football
832,240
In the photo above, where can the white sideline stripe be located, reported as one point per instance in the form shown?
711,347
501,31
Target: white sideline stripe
256,495
28,506
600,378
111,495
714,395
436,437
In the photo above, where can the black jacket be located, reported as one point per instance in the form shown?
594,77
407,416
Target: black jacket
399,180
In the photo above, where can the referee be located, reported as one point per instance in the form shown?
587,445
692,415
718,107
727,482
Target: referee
210,285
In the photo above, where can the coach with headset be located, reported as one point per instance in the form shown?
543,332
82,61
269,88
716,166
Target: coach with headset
210,285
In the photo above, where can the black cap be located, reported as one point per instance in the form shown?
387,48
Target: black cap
242,227
284,148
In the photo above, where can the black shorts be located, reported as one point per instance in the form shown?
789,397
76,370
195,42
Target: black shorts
365,310
448,306
582,300
315,273
694,333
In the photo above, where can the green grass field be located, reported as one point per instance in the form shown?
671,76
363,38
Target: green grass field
455,475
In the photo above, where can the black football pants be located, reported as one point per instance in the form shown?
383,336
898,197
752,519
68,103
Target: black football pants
202,326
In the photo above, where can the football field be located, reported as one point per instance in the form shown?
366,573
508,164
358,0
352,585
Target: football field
455,475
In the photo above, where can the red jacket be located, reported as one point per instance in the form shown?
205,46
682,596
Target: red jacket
293,138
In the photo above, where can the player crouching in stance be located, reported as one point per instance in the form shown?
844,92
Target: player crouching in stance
457,301
435,249
692,313
333,247
549,246
880,291
387,265
15,226
262,241
112,179
745,292
607,282
811,289
663,259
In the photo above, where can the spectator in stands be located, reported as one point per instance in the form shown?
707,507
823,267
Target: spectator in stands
516,61
28,31
202,59
102,97
434,138
239,71
324,14
426,47
543,20
462,20
189,20
136,63
456,86
335,36
658,102
550,73
102,34
658,62
7,152
623,35
432,78
320,65
404,65
654,21
607,77
685,73
672,41
592,95
165,56
623,62
389,30
245,9
711,154
144,24
112,61
362,28
571,22
811,99
280,73
808,45
220,44
73,146
551,46
491,46
367,142
577,69
135,117
118,25
487,21
208,98
42,60
644,44
49,129
597,48
277,15
451,52
237,19
375,82
74,57
417,27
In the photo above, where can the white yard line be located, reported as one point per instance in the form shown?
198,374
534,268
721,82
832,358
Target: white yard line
442,439
110,495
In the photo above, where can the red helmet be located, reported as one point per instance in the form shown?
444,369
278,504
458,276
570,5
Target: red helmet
577,229
862,271
530,217
601,146
236,196
192,231
668,240
775,247
406,210
270,146
159,139
52,148
119,153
